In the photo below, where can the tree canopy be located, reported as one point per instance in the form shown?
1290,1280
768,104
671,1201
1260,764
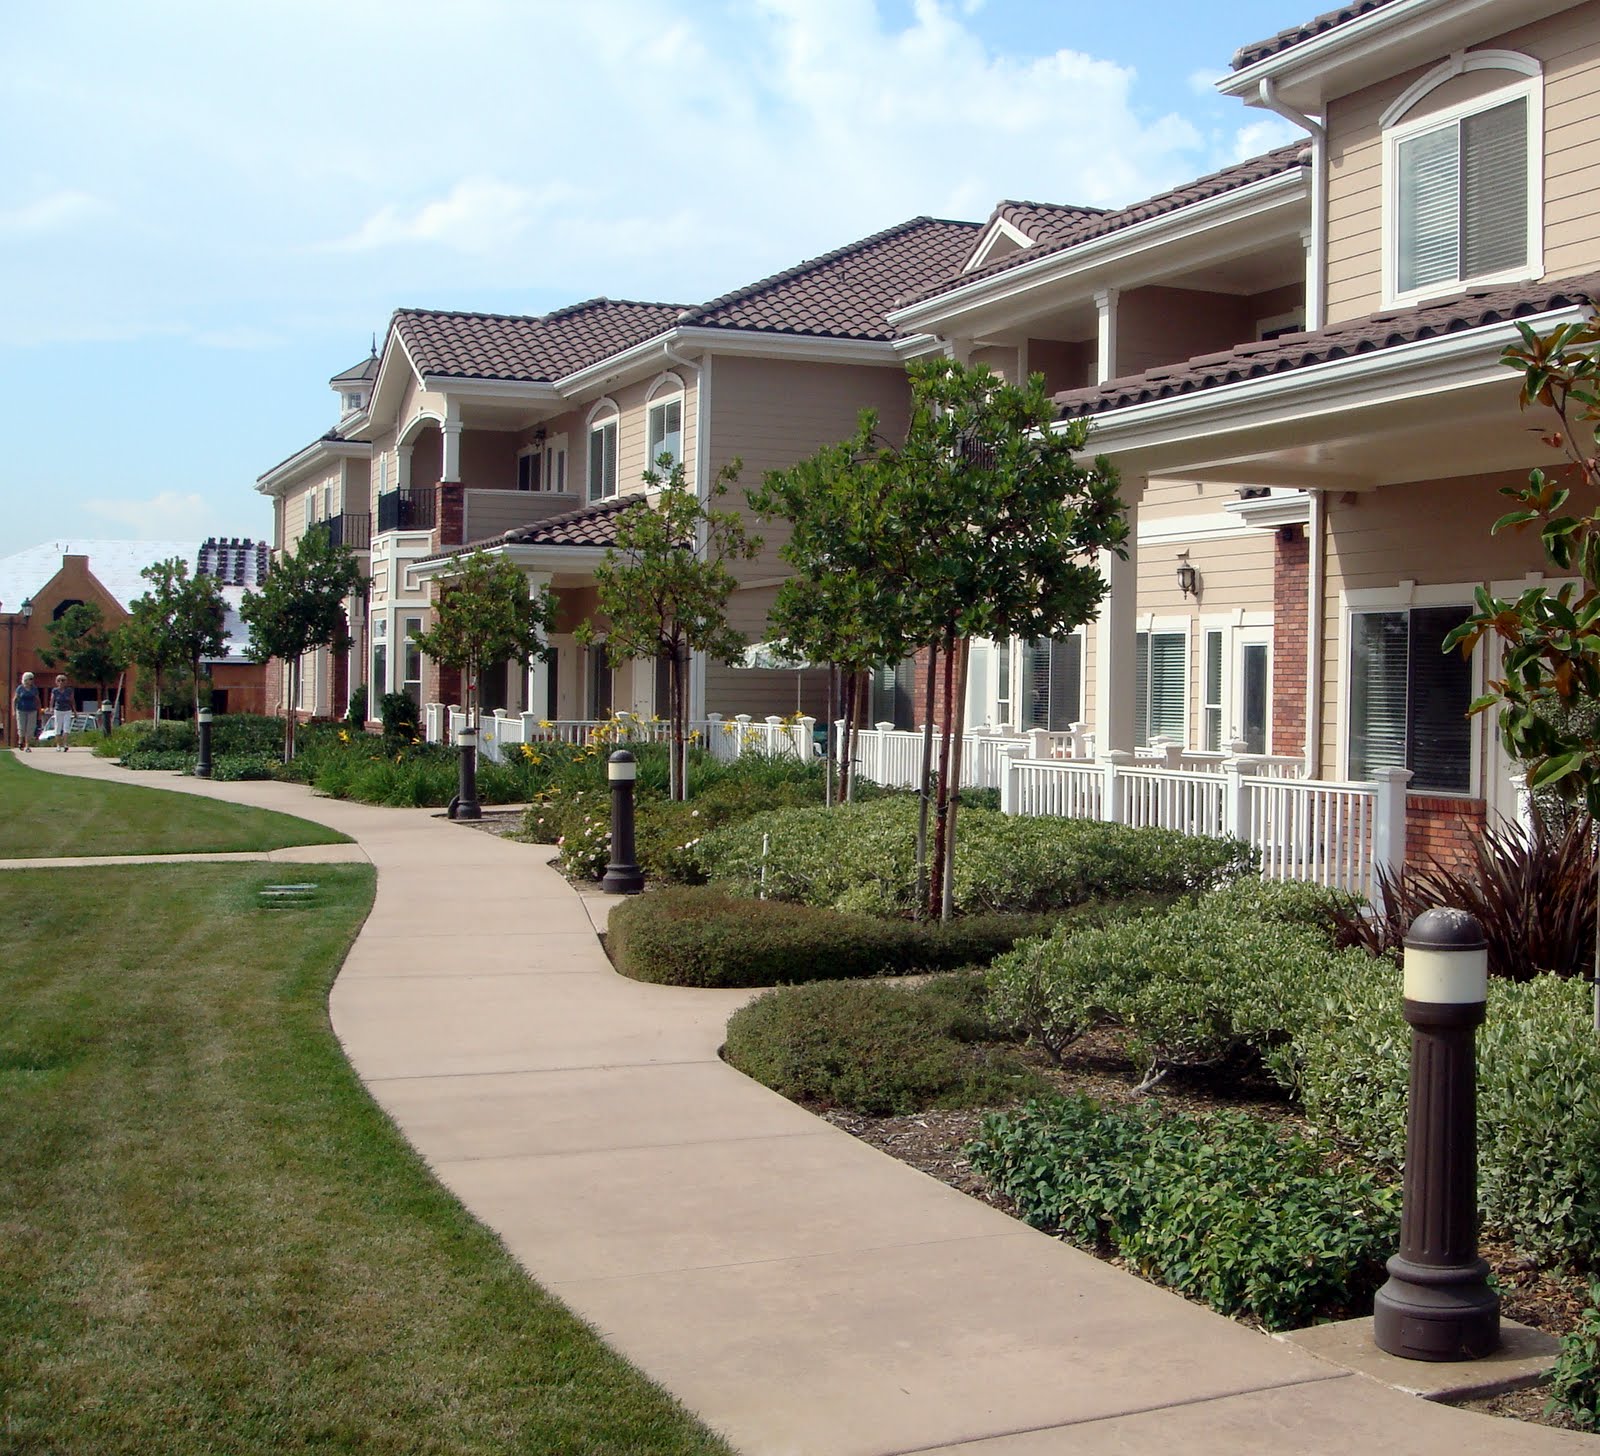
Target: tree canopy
179,621
81,647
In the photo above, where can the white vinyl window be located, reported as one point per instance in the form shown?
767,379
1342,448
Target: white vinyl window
1463,194
1211,707
665,432
603,459
530,472
1050,685
412,681
1161,683
1409,698
555,465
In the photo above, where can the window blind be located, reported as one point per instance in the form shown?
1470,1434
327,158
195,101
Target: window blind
1213,691
1494,189
1379,661
1052,693
1429,188
1161,666
1438,733
603,461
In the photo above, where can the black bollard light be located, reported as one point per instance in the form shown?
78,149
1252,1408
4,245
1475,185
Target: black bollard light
1437,1303
623,875
105,722
466,805
202,764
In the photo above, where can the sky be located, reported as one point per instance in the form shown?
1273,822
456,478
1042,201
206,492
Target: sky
208,210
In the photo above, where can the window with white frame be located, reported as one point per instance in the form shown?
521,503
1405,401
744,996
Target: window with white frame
411,683
1050,683
665,431
530,468
555,465
1211,692
1409,698
1161,687
603,452
1463,182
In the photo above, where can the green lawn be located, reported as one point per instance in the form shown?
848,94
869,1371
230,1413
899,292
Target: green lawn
46,815
212,1239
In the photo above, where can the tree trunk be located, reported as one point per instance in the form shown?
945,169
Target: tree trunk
860,701
948,874
155,706
925,785
678,764
288,713
942,801
847,708
829,745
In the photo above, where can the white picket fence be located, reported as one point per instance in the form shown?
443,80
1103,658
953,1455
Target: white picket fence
724,738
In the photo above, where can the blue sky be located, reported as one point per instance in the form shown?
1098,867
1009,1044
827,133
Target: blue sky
206,210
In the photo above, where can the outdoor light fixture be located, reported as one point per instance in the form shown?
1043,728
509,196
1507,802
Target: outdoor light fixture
27,608
539,436
1188,577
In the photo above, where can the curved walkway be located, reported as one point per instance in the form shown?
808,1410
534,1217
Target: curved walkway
802,1292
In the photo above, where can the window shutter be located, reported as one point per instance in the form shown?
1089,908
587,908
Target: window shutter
1439,734
1066,682
1494,189
1168,669
1429,200
1379,653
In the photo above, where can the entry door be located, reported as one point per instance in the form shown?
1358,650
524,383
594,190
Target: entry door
1255,695
599,684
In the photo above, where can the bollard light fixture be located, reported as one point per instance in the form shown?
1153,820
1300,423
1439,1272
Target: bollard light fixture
202,763
623,875
1438,1304
465,804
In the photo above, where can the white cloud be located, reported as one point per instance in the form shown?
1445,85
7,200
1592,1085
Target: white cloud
477,215
54,212
1263,136
169,514
1204,83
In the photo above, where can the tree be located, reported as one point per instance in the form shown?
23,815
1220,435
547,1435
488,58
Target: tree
179,621
301,607
1549,689
82,648
665,586
487,614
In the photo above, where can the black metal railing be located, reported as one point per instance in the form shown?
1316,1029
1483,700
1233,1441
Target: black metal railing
348,530
414,508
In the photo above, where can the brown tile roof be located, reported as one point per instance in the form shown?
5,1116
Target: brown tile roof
521,347
594,525
1098,224
848,293
1357,336
1259,50
358,373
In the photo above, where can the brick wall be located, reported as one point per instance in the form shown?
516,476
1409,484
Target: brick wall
1442,829
920,690
452,514
1291,579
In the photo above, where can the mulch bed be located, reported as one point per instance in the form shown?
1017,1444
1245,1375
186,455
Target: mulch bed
1539,1297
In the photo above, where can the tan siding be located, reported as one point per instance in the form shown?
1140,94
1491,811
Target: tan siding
731,690
1000,359
1568,46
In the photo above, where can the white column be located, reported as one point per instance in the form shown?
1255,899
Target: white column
959,349
1115,632
451,471
402,454
1389,826
538,684
1106,302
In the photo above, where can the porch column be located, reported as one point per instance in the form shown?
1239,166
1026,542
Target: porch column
1115,631
450,474
1106,359
538,683
959,349
402,454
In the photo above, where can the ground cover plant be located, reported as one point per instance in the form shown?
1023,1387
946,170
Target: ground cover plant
704,936
862,857
877,1047
50,815
1229,1208
215,1241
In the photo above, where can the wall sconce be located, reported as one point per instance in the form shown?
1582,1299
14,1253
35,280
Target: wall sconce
539,435
1188,577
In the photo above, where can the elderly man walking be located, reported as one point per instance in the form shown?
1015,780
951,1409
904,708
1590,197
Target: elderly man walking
61,712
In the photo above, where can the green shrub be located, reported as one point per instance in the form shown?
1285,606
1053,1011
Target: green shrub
237,767
870,1046
1226,1209
1575,1380
355,714
702,936
399,715
159,760
862,857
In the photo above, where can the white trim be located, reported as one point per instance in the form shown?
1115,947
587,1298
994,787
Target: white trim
1458,65
1282,508
1208,527
600,406
1396,133
668,377
997,230
408,432
319,454
1113,247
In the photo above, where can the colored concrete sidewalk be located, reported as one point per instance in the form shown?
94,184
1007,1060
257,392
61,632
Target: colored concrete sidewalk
802,1292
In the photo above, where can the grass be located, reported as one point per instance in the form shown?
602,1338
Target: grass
48,815
214,1240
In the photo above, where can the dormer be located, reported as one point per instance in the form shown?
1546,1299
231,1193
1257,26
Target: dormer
354,385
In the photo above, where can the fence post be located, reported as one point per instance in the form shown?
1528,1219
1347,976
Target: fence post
1011,757
1235,820
1171,753
1077,740
1038,743
1111,800
804,736
1389,824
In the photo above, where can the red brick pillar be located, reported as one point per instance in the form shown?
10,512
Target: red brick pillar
1441,829
452,514
1291,581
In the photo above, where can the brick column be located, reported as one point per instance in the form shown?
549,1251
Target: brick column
1291,581
1442,828
452,514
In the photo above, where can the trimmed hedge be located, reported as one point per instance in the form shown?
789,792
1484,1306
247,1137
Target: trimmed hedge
874,1047
862,857
703,936
1227,1208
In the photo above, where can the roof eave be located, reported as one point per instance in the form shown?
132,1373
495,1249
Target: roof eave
318,452
1105,252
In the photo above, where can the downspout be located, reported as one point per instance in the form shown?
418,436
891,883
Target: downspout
1316,273
1316,592
702,486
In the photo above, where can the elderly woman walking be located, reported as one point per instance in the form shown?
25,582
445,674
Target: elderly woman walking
25,704
61,712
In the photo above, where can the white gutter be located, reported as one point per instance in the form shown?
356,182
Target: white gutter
1317,263
1112,247
1316,592
281,477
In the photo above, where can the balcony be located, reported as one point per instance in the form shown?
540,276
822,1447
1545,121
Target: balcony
414,508
352,531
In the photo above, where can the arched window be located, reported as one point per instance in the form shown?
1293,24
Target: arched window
664,423
603,421
1463,162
